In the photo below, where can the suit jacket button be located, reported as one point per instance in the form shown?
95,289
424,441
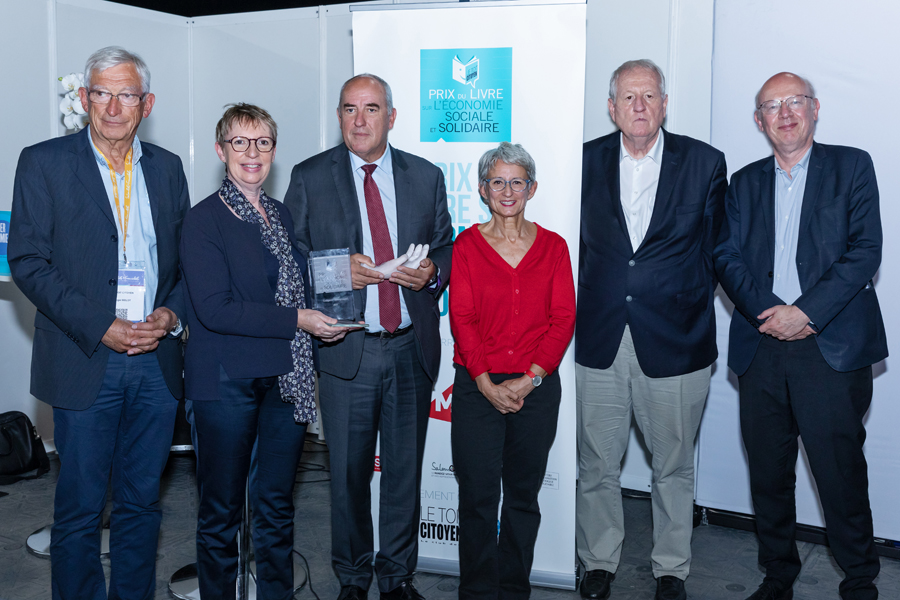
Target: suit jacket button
112,282
630,263
627,298
114,238
770,274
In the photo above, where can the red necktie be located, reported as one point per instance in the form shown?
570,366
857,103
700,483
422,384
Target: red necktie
388,293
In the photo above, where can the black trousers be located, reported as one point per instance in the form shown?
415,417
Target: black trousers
490,449
790,391
251,433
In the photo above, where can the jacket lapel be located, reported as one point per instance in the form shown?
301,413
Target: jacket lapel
154,184
767,195
342,172
817,161
610,163
405,207
86,170
668,173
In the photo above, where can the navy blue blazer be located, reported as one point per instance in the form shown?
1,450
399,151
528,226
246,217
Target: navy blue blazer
665,289
232,317
838,254
322,198
63,256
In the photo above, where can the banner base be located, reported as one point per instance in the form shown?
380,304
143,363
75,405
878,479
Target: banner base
548,579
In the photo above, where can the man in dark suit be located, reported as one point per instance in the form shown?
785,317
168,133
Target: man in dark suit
376,200
645,334
797,256
82,205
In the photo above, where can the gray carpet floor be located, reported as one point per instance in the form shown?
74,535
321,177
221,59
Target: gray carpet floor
724,562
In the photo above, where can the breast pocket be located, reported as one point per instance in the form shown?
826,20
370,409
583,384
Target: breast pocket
688,209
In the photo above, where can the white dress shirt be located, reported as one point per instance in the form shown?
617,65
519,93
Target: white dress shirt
638,180
384,179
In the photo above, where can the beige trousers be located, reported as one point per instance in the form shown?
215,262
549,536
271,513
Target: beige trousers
668,412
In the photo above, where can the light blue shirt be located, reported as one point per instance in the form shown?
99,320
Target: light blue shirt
788,204
140,244
384,179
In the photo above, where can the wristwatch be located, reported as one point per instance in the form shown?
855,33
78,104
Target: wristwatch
535,379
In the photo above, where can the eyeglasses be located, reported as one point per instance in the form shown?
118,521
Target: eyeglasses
498,184
242,144
124,98
794,103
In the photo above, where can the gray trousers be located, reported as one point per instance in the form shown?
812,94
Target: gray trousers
390,394
668,412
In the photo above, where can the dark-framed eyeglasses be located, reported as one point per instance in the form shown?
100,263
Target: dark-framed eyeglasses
498,184
794,103
242,144
124,98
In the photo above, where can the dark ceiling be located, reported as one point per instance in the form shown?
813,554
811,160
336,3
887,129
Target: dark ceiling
199,8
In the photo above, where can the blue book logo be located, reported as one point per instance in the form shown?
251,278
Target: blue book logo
466,95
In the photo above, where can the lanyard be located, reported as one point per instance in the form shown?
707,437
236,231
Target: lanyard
127,202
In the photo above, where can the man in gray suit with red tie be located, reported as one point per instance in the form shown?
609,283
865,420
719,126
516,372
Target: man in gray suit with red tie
798,255
645,332
376,200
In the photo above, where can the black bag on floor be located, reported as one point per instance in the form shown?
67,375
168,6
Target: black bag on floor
22,454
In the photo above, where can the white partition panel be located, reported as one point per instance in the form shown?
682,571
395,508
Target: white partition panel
83,26
270,59
45,39
28,108
850,56
677,36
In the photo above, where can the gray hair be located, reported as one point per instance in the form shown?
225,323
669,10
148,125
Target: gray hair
511,154
112,56
807,82
388,96
631,65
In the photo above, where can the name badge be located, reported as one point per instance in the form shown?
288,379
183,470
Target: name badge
130,292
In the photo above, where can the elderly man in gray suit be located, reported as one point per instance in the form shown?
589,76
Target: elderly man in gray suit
376,200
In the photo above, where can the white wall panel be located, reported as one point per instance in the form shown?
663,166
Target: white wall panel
84,26
850,56
27,108
270,59
677,35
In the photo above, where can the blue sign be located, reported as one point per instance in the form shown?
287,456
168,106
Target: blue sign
466,95
4,240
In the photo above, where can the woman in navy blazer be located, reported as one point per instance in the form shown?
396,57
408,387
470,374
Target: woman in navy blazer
249,362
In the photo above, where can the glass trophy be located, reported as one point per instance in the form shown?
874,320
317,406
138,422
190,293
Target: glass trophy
332,283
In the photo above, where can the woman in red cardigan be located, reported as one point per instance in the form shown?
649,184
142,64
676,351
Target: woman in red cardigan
512,311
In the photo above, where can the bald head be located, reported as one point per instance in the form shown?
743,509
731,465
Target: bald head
783,78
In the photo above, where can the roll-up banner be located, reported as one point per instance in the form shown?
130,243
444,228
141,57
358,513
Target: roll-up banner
465,79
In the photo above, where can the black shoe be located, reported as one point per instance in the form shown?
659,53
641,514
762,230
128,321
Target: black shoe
595,584
404,591
352,592
669,587
769,590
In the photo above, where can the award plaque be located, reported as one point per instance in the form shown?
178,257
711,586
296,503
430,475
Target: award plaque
332,283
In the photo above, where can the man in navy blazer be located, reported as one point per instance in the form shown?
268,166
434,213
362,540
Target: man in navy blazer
113,384
379,380
645,333
798,255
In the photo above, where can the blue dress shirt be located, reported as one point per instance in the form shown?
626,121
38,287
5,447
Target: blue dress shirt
788,204
140,244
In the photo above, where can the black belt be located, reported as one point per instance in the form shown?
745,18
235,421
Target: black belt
387,335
